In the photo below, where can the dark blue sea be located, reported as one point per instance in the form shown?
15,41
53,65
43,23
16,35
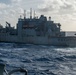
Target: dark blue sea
39,59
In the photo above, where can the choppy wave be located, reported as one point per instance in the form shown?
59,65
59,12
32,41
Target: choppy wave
39,59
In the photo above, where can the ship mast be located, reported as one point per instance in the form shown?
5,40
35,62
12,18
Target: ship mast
34,14
30,13
24,14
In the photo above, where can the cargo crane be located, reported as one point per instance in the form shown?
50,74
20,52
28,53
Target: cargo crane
8,24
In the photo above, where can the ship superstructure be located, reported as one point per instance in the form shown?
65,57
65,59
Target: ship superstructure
36,31
38,27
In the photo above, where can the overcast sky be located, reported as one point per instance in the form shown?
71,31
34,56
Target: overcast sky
61,11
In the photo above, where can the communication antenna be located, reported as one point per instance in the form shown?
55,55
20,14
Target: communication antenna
30,13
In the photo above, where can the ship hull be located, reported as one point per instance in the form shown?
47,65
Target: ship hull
39,40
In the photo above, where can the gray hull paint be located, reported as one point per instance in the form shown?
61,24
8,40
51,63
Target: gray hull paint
40,40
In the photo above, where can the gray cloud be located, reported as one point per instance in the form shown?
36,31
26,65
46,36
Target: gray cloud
9,11
61,6
5,1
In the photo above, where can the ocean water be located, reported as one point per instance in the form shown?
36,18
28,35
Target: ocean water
39,59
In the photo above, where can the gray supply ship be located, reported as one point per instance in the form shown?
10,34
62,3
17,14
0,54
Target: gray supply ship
39,31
